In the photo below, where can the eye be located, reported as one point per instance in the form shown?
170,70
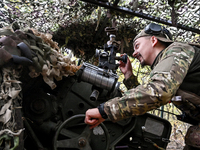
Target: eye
136,46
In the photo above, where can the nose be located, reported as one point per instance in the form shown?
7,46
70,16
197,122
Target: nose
135,53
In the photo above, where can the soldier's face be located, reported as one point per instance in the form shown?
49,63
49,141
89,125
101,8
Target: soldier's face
142,50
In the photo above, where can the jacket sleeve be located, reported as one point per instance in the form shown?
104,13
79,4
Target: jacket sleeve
131,82
163,83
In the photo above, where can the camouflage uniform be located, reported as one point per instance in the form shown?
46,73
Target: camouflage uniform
168,72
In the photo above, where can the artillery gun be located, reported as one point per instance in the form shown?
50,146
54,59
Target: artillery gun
53,119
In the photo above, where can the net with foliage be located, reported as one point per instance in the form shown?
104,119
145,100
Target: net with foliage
80,25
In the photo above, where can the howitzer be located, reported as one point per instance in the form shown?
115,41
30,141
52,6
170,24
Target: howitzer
54,118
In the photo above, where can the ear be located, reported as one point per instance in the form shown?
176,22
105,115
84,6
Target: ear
154,41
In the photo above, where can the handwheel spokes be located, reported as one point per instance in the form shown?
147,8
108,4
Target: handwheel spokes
79,143
68,133
86,132
65,138
67,143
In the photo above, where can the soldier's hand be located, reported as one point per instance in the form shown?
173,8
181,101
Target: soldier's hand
93,117
126,68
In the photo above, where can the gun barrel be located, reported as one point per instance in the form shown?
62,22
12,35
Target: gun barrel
98,77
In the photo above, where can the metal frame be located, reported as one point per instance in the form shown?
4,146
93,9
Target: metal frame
140,14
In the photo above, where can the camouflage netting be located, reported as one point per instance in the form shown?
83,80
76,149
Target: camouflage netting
47,60
80,26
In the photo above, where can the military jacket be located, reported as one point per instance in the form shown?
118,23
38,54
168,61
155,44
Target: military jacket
168,72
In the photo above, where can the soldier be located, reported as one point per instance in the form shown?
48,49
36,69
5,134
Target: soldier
175,77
